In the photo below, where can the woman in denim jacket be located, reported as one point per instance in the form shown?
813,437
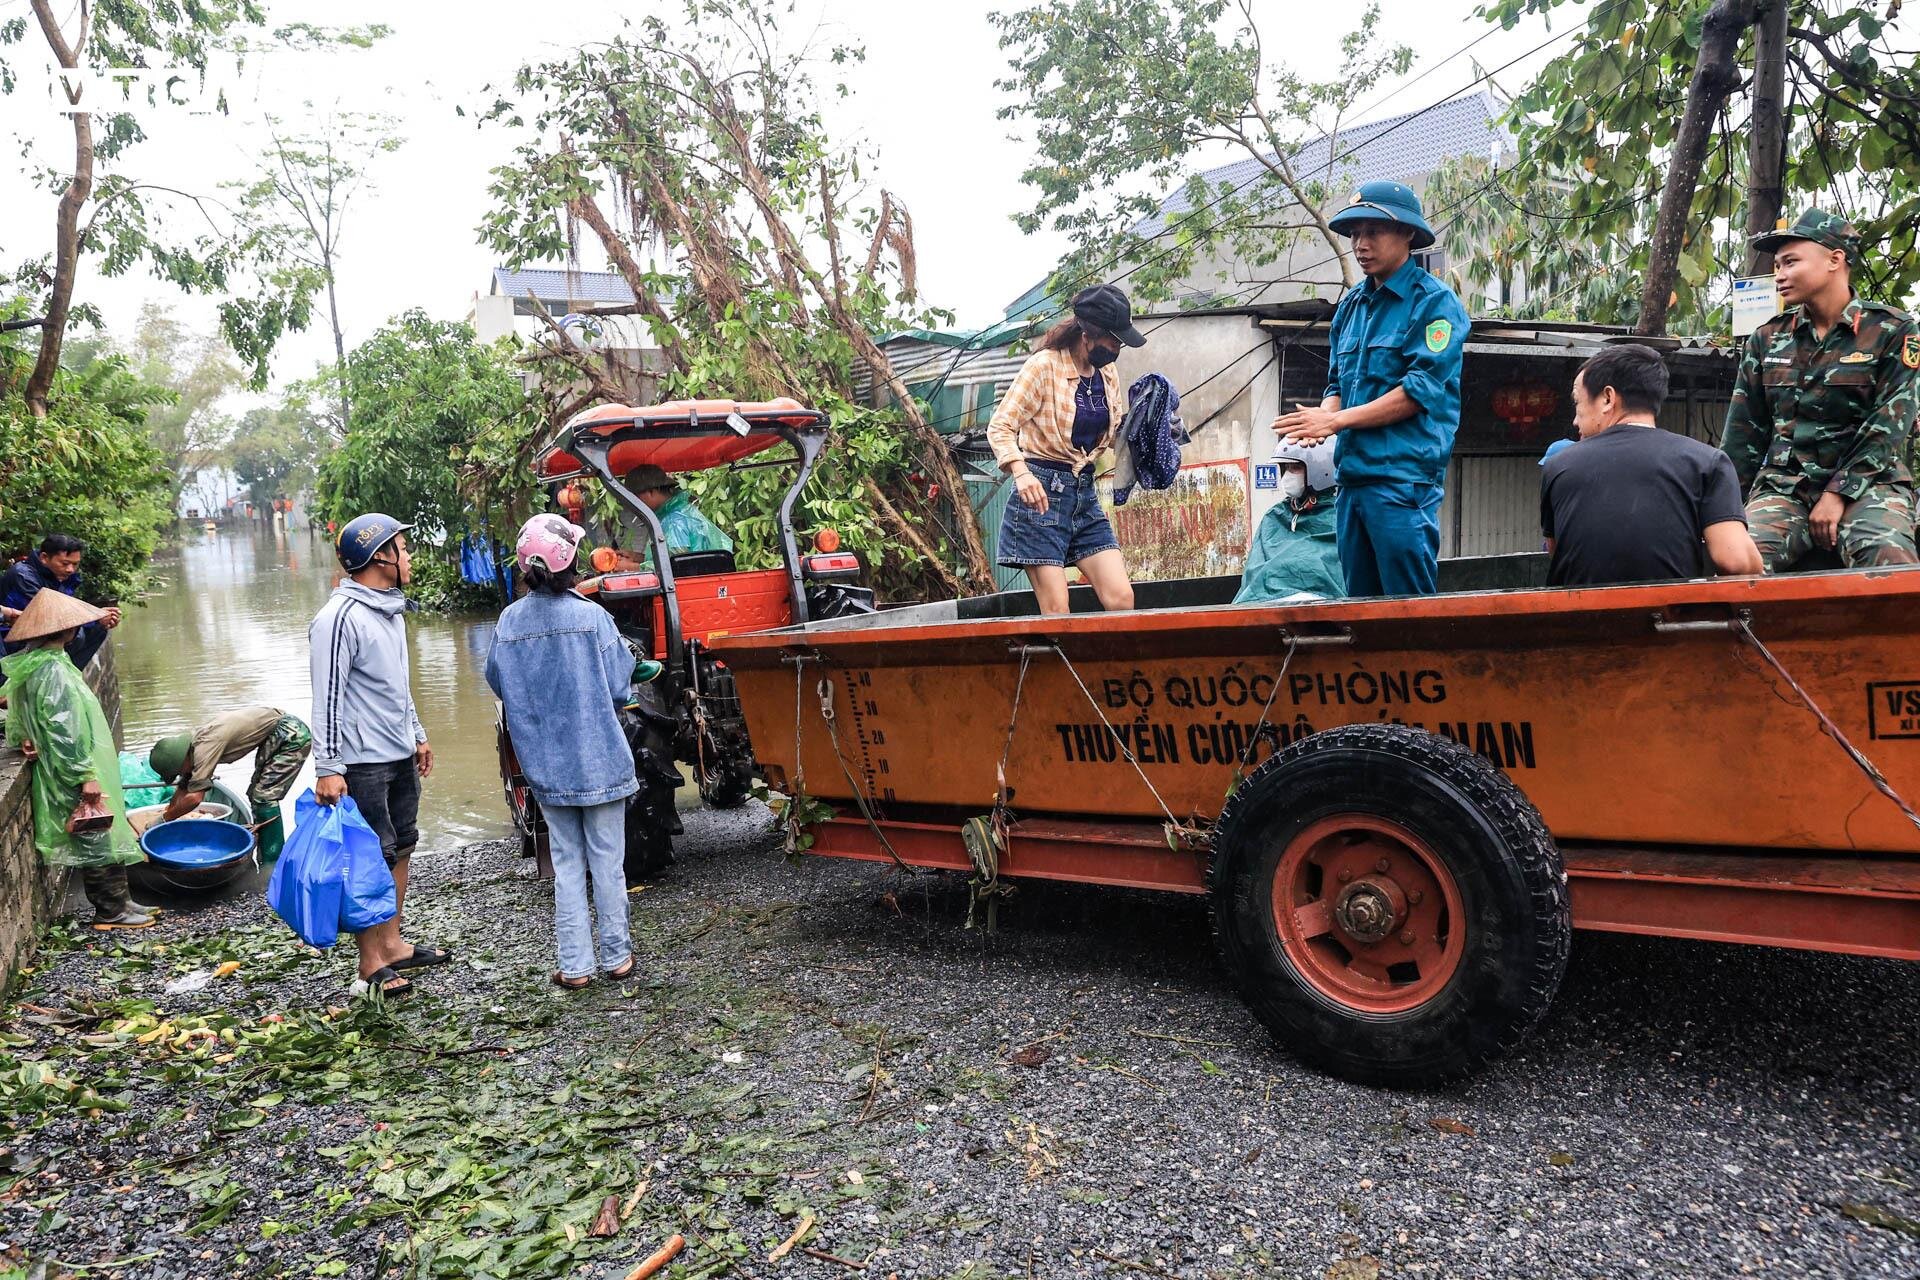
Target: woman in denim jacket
562,671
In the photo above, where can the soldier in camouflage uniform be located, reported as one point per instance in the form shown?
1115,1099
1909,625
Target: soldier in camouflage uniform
1823,408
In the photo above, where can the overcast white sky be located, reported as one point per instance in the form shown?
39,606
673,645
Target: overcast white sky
925,98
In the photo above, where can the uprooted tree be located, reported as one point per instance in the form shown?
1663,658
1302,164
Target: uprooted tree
760,259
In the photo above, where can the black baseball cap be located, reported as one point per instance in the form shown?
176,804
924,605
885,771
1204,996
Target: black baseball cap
1105,307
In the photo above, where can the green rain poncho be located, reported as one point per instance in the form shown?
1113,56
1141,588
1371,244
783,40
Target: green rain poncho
687,529
51,706
1293,553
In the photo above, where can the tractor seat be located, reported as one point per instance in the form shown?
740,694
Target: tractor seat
701,564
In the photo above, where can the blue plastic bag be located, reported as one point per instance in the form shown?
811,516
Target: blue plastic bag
370,897
331,876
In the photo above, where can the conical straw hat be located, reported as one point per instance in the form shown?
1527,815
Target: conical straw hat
50,612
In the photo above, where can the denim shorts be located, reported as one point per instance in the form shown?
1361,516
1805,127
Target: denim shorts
388,797
1072,527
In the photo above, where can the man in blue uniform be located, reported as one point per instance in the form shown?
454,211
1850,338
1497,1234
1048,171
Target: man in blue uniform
1392,399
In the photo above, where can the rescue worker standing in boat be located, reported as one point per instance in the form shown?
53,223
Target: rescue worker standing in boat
1392,398
1823,408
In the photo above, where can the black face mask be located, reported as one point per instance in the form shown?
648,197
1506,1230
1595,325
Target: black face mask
1101,357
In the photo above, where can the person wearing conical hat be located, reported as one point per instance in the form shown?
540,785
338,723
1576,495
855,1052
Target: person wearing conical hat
57,722
55,565
1392,403
1820,423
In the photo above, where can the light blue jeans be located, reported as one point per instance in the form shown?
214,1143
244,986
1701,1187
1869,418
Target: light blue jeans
589,841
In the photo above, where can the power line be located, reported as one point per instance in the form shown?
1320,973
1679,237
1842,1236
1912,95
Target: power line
1332,163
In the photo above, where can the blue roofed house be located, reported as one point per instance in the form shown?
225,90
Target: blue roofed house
1407,148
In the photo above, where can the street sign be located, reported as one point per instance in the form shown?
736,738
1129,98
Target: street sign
1266,475
1754,303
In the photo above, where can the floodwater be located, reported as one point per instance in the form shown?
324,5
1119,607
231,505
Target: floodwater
227,625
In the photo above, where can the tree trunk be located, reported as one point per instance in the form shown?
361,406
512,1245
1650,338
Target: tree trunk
1766,144
1714,76
66,260
339,349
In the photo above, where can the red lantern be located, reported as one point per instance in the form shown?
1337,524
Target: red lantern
1524,404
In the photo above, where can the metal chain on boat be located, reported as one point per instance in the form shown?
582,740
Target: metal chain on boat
1179,834
1742,629
825,690
1253,742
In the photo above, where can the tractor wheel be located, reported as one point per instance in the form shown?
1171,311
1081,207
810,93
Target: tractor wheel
649,834
1390,904
727,786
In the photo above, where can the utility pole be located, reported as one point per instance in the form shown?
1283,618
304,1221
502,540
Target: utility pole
1715,75
1767,135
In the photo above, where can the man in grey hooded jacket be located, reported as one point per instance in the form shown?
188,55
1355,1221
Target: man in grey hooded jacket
368,742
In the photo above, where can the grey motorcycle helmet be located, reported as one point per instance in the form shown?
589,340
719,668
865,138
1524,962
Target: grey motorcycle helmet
1316,457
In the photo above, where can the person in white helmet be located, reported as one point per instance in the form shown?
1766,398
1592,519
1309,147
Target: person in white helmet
1294,555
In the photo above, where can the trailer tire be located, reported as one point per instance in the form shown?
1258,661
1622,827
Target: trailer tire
1426,923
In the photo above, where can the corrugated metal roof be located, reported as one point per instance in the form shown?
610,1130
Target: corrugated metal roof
559,284
1398,148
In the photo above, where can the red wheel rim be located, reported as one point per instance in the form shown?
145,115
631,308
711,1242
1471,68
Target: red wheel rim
1368,913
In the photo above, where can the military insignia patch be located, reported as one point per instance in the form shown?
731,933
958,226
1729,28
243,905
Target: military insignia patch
1440,331
1858,357
1910,351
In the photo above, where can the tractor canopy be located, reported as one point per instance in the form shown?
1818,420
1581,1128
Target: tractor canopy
680,435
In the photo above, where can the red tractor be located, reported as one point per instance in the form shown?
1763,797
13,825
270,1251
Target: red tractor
672,604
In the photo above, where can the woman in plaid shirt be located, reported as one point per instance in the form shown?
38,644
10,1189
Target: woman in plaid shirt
1064,408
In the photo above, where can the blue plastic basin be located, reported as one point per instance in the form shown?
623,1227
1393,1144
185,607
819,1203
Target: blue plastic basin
197,842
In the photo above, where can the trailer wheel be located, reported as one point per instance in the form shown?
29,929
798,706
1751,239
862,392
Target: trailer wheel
1390,904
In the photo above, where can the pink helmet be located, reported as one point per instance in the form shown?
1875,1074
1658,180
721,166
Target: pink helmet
550,541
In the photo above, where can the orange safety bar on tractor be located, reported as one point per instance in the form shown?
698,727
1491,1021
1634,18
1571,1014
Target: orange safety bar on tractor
680,435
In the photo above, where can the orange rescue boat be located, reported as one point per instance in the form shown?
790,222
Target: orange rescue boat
1400,807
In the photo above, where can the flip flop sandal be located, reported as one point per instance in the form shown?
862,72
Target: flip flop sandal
382,985
423,956
624,971
565,983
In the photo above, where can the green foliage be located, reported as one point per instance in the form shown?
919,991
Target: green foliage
307,183
87,468
1516,230
275,453
190,429
438,587
706,140
1120,94
1600,119
424,392
131,221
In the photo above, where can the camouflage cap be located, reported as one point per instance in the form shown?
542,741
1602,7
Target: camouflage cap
1829,230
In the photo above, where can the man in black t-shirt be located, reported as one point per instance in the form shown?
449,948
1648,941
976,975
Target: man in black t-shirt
1630,502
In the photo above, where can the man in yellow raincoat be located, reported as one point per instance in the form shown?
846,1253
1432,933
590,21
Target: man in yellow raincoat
55,720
